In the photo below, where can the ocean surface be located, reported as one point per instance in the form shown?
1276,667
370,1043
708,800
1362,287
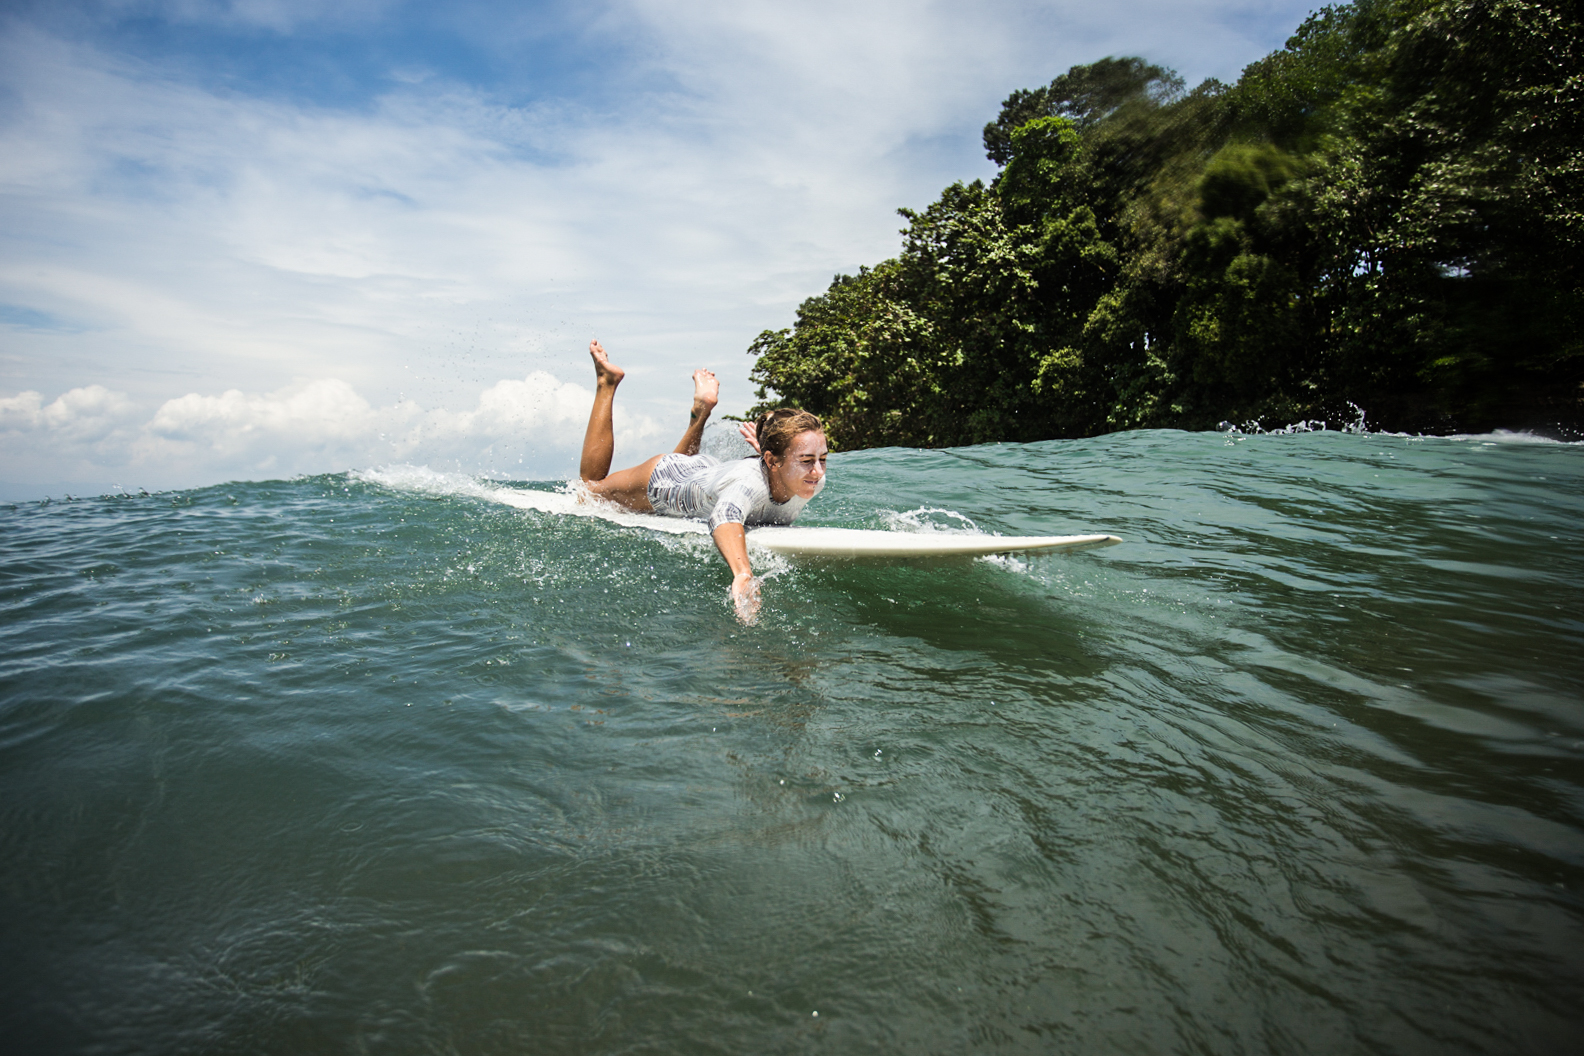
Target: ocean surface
373,762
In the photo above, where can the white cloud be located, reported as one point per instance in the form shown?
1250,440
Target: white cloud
317,414
83,416
529,428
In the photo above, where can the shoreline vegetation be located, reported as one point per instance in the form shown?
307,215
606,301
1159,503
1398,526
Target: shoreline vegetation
1384,213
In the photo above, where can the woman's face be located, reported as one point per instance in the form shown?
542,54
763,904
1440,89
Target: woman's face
802,472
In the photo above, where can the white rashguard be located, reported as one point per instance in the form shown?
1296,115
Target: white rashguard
704,488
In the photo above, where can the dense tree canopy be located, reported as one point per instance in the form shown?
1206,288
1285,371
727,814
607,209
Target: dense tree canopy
1386,212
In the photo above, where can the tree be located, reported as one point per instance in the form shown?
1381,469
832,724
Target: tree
1083,95
1386,212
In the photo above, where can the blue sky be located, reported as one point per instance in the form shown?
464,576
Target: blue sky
256,238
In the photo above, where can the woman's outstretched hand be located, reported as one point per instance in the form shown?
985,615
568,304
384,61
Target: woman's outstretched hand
745,596
750,434
732,539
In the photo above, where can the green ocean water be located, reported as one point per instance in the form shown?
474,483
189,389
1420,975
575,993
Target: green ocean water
368,762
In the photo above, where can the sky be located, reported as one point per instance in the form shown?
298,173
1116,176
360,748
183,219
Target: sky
249,239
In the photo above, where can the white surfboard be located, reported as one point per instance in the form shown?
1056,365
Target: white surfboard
861,543
850,543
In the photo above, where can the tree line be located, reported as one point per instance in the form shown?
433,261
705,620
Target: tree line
1383,213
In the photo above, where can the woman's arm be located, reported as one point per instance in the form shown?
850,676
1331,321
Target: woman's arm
731,539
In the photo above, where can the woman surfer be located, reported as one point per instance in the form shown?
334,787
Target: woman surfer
769,489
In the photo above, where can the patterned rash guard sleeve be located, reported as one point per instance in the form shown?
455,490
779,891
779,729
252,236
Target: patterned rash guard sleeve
733,505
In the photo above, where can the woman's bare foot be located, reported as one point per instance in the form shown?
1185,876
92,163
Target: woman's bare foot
706,392
606,373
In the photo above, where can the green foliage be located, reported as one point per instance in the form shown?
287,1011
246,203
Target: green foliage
1084,95
1386,211
1241,178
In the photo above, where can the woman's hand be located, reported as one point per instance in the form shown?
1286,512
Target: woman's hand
749,433
745,596
732,540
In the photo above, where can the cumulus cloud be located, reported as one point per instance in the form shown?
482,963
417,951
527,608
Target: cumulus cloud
86,415
529,428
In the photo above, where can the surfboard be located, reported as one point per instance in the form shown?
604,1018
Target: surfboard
859,543
832,543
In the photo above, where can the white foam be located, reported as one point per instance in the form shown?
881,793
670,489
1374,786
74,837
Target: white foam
1508,436
1009,562
572,501
1313,425
423,480
920,520
1358,427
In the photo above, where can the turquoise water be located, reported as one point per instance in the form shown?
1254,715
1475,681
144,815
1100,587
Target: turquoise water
367,762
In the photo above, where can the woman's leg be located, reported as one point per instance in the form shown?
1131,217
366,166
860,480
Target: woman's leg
629,488
626,487
706,393
599,440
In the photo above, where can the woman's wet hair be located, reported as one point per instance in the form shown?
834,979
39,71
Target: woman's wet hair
777,429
